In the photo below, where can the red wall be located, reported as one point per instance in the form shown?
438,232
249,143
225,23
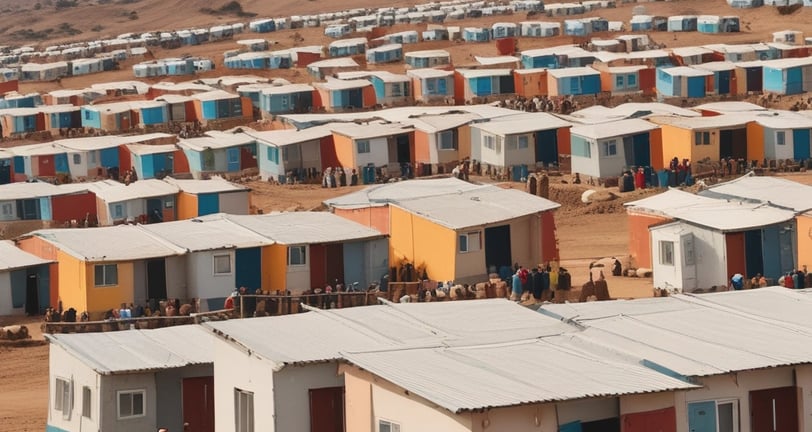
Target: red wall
329,157
124,158
181,164
648,80
317,268
664,420
549,242
46,165
736,262
73,206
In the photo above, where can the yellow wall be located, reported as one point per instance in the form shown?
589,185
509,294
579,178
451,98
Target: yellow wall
421,242
804,240
72,287
755,141
274,267
676,142
100,299
186,206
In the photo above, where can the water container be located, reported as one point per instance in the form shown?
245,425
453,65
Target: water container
662,178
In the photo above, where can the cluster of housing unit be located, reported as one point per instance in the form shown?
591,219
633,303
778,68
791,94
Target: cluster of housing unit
715,362
452,229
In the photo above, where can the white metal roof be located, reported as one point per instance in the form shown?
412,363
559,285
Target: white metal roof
663,204
729,107
775,303
386,47
114,243
139,351
476,377
773,190
429,73
522,123
488,61
613,129
12,257
690,51
383,194
37,189
286,89
716,66
348,42
482,206
556,50
112,191
337,84
295,228
370,130
428,53
210,234
216,140
478,73
147,149
283,137
572,72
788,63
686,71
108,141
782,119
334,62
723,121
216,184
433,123
214,95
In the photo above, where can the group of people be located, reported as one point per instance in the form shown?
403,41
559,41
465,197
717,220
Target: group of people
539,283
335,177
795,279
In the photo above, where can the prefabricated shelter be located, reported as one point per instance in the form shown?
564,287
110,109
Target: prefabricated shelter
554,57
644,23
143,201
218,153
557,9
466,236
432,85
21,121
792,37
390,88
314,249
221,105
724,80
715,138
124,116
787,76
404,37
504,30
254,44
347,47
337,30
156,160
627,79
682,23
132,380
441,139
220,257
24,281
717,24
742,52
745,4
388,53
539,29
45,160
345,95
573,81
434,34
682,81
520,142
370,206
86,66
266,25
44,71
324,68
482,83
214,195
689,56
585,26
290,98
99,269
427,59
179,108
364,147
102,156
290,155
476,34
282,59
607,149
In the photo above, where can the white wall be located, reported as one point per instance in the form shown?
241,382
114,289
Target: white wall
80,169
176,277
12,215
203,283
5,295
587,165
292,396
611,166
298,277
378,153
493,156
234,368
666,276
413,414
520,156
234,202
709,255
65,366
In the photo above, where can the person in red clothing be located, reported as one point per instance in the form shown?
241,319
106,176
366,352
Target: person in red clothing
229,304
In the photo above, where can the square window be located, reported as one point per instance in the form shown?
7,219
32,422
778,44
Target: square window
222,264
524,142
619,81
105,275
297,255
610,148
780,137
77,159
388,426
666,252
7,209
362,146
243,411
273,154
118,211
631,80
488,141
446,139
471,242
131,404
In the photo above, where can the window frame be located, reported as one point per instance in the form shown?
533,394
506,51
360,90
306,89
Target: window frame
77,159
520,145
243,397
273,154
469,238
609,148
214,268
87,402
303,255
104,279
664,246
63,396
392,426
441,137
362,146
131,393
783,137
489,142
7,209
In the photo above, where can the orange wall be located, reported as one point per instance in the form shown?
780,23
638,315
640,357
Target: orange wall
187,206
640,239
369,96
549,242
531,85
676,142
804,240
180,163
344,151
564,144
656,145
373,217
755,141
417,88
464,141
422,153
421,242
459,89
247,108
607,81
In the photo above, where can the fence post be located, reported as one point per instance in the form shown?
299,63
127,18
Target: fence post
242,306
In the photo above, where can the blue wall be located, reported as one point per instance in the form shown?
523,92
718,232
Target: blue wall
354,263
248,268
579,85
208,204
696,86
109,157
91,118
152,116
209,110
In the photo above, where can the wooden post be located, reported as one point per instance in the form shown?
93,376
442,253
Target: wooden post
242,306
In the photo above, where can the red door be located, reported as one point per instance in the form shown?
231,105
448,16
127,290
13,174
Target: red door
317,277
198,403
774,410
334,263
664,420
46,165
247,158
327,409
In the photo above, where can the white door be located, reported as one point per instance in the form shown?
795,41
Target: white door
688,262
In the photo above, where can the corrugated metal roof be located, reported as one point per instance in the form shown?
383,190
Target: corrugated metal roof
572,71
522,123
333,62
776,191
37,149
214,95
115,243
496,60
383,194
12,257
712,122
347,42
433,123
285,89
370,130
477,207
216,140
337,84
729,107
148,149
613,129
428,53
686,71
776,303
210,234
429,73
690,51
137,351
716,66
386,47
285,137
215,184
781,119
788,63
481,377
479,73
112,191
37,189
295,228
110,141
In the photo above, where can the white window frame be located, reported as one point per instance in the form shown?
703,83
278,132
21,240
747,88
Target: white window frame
783,139
63,396
472,242
445,140
362,146
243,397
7,209
303,254
489,142
131,393
214,259
77,159
609,148
87,402
387,426
104,281
523,142
734,402
118,211
666,255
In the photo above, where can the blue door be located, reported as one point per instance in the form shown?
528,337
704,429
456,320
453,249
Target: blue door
208,204
702,416
570,427
795,84
800,144
696,86
61,163
771,247
233,157
441,86
642,150
483,86
723,82
354,264
547,146
109,158
249,268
